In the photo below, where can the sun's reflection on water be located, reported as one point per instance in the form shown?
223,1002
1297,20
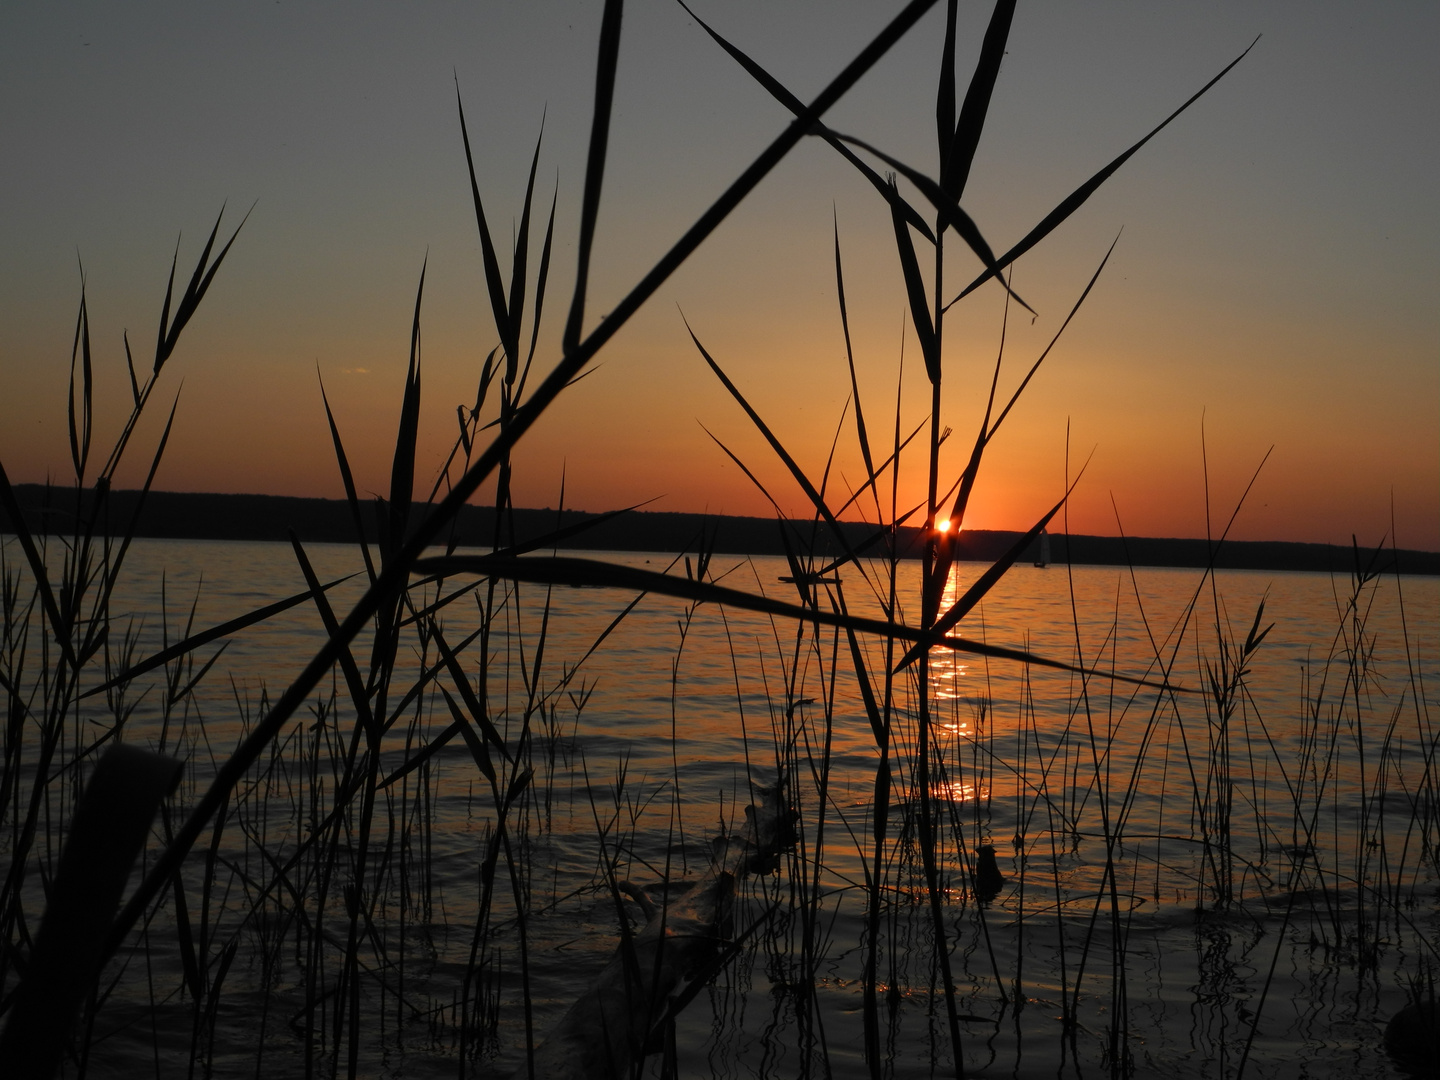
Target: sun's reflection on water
947,670
959,791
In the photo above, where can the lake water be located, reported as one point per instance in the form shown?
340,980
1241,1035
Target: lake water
1184,885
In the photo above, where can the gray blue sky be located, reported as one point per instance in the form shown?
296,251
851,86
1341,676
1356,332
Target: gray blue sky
1278,271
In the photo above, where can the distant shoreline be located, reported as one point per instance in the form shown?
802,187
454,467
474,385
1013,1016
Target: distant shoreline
195,516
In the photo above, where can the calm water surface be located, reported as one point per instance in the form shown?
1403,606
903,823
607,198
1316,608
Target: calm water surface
1272,864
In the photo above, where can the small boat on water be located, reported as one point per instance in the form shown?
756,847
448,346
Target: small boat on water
1044,560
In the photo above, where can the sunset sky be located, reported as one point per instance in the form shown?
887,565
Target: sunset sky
1277,279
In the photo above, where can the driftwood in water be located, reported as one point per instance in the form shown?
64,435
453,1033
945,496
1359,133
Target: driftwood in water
608,1028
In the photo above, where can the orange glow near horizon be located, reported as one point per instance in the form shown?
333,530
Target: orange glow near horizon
1179,373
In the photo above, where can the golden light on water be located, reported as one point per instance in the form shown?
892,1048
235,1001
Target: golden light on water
959,791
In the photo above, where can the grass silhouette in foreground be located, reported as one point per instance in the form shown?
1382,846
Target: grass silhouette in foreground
292,879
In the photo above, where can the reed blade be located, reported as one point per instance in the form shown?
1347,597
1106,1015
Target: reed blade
418,686
354,681
130,367
130,530
185,939
516,308
478,712
900,445
862,678
834,446
945,93
591,573
205,637
166,338
919,302
798,577
351,496
402,468
488,370
189,688
1077,198
542,278
777,90
817,500
950,211
745,469
862,437
165,308
195,291
494,283
605,68
80,428
990,434
1256,636
966,484
430,749
870,541
956,171
556,537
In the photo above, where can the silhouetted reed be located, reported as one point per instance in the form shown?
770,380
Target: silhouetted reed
990,865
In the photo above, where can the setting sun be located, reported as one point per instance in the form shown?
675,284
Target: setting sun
943,526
